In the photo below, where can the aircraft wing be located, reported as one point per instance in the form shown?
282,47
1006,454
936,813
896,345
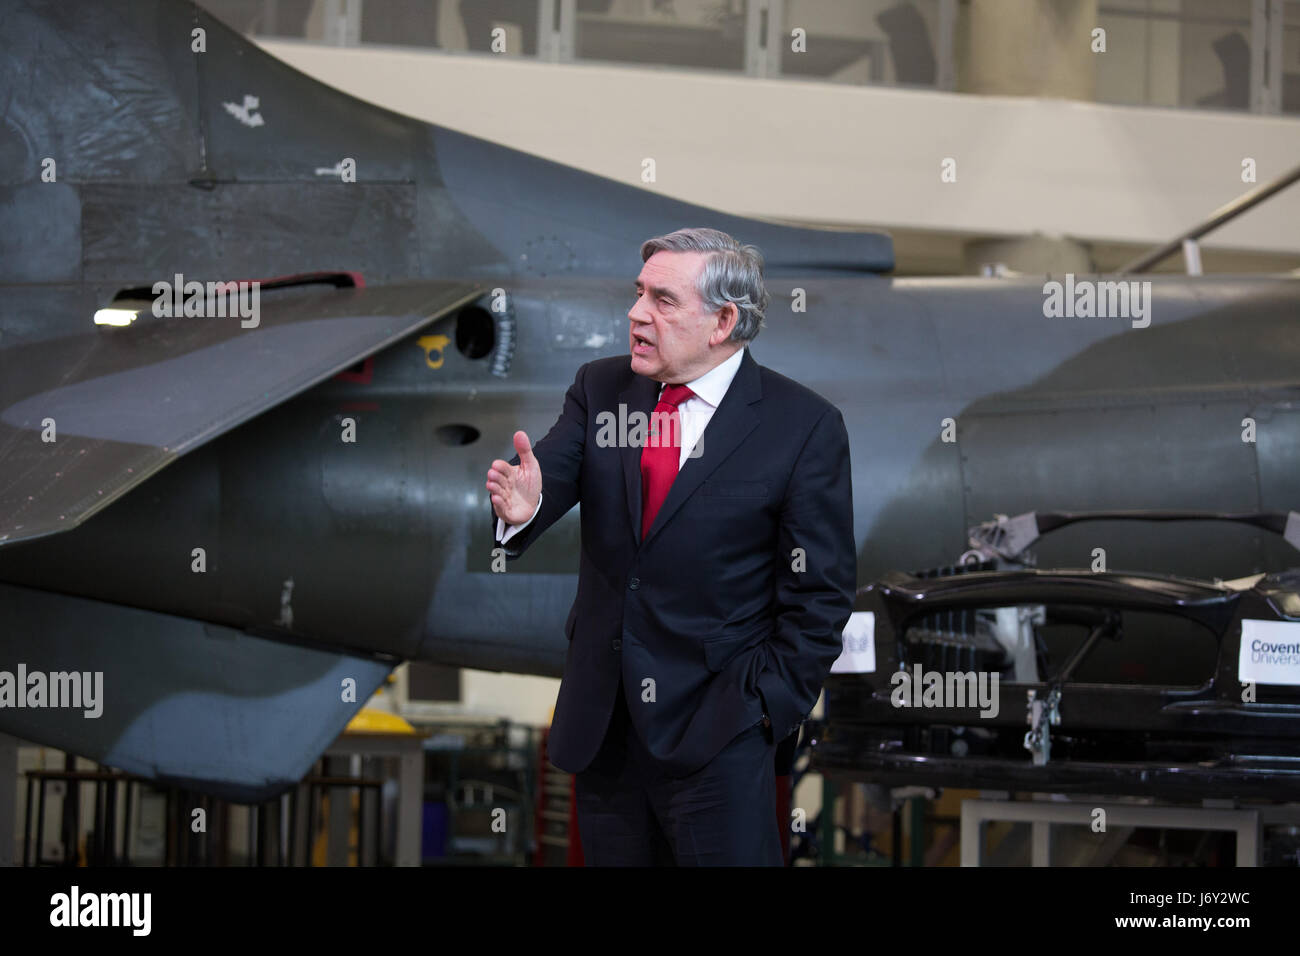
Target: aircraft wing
121,403
178,700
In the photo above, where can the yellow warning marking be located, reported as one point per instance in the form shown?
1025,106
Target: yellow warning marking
433,344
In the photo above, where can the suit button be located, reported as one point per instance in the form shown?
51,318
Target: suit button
616,644
633,584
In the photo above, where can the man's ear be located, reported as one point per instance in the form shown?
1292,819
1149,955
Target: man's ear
728,316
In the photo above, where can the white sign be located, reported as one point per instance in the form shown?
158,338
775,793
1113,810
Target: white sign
1270,652
859,654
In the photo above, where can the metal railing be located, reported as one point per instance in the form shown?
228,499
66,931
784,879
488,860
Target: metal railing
1187,241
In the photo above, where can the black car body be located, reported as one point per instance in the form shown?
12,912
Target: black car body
1136,684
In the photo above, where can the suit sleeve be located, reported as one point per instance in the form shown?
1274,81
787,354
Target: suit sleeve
559,455
814,604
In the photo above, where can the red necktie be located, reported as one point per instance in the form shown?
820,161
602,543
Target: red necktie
662,453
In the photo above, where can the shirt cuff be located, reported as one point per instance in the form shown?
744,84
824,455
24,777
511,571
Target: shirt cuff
506,531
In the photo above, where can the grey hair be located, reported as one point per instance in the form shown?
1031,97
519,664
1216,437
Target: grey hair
732,273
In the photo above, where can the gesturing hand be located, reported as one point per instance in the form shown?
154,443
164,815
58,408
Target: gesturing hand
515,489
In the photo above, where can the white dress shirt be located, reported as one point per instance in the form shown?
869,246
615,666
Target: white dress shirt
695,413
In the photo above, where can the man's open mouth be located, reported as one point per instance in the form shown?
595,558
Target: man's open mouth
641,345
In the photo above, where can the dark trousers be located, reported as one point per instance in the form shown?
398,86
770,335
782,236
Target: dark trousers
630,813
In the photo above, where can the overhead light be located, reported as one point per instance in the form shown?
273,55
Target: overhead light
116,316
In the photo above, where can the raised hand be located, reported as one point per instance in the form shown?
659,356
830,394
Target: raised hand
516,489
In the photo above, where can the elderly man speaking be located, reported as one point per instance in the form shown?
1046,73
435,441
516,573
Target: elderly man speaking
718,564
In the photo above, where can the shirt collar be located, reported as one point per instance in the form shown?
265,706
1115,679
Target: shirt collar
713,384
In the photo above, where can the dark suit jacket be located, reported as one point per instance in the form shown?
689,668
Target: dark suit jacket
707,619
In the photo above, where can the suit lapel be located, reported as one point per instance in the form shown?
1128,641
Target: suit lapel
732,421
642,395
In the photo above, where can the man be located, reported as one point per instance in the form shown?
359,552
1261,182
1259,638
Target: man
718,564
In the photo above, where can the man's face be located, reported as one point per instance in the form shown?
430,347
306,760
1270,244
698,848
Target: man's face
671,336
